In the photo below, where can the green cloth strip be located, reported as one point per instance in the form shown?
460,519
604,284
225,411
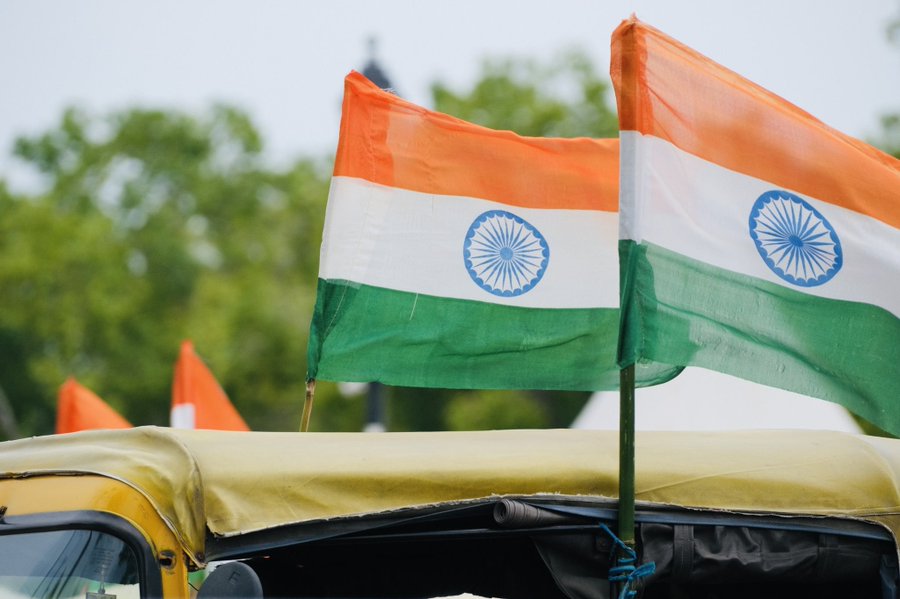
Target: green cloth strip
682,311
366,333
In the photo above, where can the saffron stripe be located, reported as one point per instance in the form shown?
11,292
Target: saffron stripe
743,127
387,140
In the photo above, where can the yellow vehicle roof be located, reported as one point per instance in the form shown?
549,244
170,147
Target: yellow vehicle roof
234,483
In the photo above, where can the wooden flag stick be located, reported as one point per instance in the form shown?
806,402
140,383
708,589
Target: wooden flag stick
308,405
626,455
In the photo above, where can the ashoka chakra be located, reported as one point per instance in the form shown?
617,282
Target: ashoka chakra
796,242
505,254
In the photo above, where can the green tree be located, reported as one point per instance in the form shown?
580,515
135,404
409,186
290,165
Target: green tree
889,139
566,98
157,226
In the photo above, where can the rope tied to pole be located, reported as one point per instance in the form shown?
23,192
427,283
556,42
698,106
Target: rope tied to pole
625,572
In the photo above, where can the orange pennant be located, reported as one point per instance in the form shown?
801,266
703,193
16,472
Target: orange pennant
197,399
80,409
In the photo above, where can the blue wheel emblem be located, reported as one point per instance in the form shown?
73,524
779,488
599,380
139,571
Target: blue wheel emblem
504,254
796,242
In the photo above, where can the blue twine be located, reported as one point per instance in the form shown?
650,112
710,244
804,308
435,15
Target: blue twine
625,572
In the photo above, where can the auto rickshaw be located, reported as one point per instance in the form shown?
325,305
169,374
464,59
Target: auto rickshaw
516,514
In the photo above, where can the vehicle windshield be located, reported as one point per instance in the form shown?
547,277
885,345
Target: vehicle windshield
67,563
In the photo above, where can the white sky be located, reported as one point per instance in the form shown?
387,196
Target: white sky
284,62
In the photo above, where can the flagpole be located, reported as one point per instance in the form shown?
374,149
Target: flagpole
308,405
626,455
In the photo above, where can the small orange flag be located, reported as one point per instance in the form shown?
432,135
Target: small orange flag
80,409
197,399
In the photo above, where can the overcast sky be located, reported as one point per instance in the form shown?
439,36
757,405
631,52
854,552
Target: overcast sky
284,62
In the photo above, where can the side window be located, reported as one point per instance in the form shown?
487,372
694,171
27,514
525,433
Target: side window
67,563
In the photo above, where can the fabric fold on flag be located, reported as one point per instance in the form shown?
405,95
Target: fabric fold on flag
456,256
198,402
754,239
80,409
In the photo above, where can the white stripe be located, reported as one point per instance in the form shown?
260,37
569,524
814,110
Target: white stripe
411,241
182,416
702,210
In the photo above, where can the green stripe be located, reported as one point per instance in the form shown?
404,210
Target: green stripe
682,311
365,333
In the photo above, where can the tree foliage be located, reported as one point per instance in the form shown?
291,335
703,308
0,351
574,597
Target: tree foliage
889,140
566,98
157,226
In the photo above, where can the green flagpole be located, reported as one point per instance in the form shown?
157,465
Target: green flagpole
626,455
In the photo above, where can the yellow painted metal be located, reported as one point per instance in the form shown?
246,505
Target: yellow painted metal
234,483
58,494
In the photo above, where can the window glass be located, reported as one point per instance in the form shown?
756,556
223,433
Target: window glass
67,563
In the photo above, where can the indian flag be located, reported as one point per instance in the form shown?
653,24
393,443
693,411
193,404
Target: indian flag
80,409
455,256
755,240
197,399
